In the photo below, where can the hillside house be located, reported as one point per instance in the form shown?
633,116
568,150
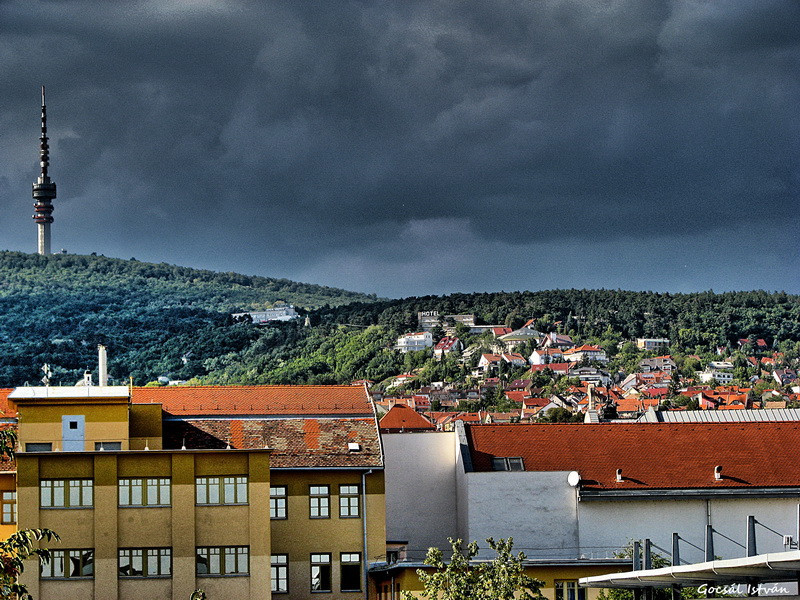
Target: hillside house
585,352
411,342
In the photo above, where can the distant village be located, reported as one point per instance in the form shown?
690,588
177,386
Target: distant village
531,376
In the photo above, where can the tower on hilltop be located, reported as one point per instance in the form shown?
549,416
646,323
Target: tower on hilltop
44,190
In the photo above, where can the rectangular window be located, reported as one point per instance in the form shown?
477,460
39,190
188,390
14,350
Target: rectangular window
138,491
350,565
39,447
221,490
223,560
319,499
108,445
348,501
277,502
513,463
569,590
66,493
280,573
69,563
9,505
145,562
321,573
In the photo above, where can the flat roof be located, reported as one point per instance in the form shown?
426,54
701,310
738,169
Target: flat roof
68,392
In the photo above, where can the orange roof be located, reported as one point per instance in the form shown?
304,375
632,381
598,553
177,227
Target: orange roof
746,452
403,418
8,410
516,396
584,348
257,399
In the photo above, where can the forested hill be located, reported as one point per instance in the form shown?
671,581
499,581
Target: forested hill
162,320
56,309
696,318
354,341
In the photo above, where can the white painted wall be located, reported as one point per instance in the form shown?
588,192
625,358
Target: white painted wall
421,489
613,523
537,509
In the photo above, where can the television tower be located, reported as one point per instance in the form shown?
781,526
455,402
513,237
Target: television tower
44,190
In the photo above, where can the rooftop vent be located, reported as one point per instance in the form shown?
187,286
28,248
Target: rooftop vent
619,475
718,472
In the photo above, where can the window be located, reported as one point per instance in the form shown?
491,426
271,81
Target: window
277,502
139,491
221,490
348,501
66,493
223,560
350,565
69,563
319,498
145,562
280,573
39,447
321,573
507,464
9,505
108,445
569,590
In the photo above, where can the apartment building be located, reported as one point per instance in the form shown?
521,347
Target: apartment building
243,492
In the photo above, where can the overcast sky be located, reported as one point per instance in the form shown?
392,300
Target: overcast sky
406,148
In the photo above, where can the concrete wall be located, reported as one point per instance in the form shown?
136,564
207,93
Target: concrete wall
421,489
536,509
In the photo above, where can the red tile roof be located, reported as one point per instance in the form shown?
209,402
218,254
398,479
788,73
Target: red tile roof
402,418
294,442
750,453
257,399
516,396
8,409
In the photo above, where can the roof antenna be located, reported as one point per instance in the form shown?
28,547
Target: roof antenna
183,446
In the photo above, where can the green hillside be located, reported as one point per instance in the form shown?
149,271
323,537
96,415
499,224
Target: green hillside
354,341
163,320
56,309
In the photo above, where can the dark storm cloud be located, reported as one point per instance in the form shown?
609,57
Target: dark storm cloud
349,143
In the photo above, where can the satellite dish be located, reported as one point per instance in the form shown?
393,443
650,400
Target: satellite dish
574,478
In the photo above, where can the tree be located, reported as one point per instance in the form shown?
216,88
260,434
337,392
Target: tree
462,578
21,544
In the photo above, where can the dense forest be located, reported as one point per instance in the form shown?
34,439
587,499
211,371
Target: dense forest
56,309
160,320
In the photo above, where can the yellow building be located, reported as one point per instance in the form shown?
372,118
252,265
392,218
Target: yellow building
244,492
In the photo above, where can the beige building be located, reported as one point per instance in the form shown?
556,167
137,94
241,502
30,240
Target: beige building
243,492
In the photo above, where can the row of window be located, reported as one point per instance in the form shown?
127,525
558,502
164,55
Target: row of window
319,502
155,491
321,580
149,562
210,560
149,491
48,446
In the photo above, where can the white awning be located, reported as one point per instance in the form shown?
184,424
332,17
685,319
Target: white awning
778,566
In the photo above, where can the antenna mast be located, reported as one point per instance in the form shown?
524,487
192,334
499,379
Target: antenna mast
44,190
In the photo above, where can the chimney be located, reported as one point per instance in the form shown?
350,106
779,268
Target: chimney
103,365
